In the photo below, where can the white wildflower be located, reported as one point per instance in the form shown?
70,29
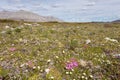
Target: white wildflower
41,70
56,57
47,70
84,74
83,77
11,54
91,76
48,60
52,77
20,39
63,51
1,59
67,72
38,67
70,72
108,62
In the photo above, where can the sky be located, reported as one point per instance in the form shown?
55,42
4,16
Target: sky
68,10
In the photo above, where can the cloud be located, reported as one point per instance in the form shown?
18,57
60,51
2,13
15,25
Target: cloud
84,9
69,10
56,5
12,1
90,4
17,0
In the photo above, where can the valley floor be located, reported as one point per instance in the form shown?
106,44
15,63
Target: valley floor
59,51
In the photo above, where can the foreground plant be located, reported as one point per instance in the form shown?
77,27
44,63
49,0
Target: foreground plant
71,64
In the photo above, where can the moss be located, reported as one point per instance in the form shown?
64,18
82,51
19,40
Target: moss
54,74
34,77
3,72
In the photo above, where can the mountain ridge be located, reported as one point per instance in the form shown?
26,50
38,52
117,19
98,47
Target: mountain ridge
26,16
116,21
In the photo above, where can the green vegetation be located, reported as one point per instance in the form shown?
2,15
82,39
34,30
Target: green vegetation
40,51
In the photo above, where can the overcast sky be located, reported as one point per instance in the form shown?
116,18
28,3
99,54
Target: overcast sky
68,10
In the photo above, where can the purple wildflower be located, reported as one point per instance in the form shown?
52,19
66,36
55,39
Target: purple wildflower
72,64
12,49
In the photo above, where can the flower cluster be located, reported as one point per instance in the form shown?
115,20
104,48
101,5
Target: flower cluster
71,64
12,49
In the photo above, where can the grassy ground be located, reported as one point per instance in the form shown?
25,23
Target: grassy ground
43,51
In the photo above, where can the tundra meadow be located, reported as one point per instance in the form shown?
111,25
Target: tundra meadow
59,51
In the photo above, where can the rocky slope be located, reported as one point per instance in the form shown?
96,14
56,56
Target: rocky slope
26,16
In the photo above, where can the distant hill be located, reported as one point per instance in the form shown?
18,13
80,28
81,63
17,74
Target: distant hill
116,21
27,16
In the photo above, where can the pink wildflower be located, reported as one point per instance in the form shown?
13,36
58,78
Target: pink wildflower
72,64
12,49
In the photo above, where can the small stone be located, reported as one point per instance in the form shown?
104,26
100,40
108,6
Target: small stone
116,56
72,69
13,45
83,63
22,65
3,32
34,67
88,41
86,78
7,27
12,29
26,70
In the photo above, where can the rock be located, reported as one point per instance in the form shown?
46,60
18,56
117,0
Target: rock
116,56
88,41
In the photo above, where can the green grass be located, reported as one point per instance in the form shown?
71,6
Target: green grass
44,46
